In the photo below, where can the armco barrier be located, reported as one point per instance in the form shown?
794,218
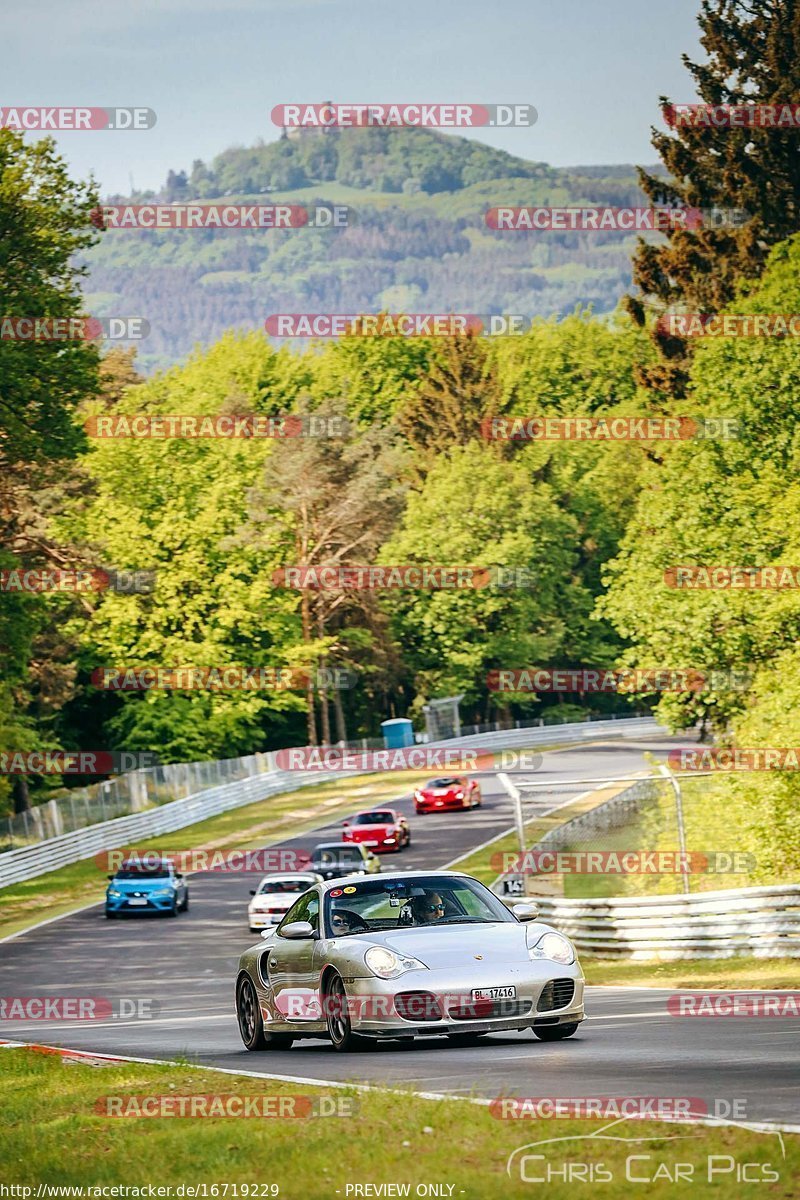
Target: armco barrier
31,861
763,921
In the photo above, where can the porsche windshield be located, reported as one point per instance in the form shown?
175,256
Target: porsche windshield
435,900
374,818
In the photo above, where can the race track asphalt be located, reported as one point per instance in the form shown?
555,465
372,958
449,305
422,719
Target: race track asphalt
628,1046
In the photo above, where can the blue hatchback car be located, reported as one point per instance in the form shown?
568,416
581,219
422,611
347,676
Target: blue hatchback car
147,887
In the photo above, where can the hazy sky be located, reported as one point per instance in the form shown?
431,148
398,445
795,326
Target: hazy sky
213,69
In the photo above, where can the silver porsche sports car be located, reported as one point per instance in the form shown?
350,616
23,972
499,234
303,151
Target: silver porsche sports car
416,954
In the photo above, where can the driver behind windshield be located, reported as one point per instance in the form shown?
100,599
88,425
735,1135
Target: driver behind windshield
427,908
344,921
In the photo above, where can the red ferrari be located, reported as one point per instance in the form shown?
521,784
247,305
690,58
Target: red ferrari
452,791
381,830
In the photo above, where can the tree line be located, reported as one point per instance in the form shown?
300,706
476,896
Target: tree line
597,525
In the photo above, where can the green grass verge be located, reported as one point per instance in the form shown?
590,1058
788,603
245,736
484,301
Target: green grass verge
740,971
261,823
56,1136
715,820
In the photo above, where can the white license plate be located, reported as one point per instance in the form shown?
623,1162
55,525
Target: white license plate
496,993
135,900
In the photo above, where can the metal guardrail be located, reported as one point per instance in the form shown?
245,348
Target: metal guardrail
762,921
572,731
31,861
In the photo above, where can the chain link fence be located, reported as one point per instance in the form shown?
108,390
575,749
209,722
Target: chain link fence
136,791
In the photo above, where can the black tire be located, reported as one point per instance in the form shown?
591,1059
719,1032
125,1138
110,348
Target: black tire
251,1024
110,915
337,1018
185,905
408,840
554,1033
173,912
465,1039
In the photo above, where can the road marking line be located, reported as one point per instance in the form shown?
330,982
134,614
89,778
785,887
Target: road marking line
637,1016
130,1024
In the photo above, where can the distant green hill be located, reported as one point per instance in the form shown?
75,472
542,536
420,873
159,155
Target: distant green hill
419,241
373,160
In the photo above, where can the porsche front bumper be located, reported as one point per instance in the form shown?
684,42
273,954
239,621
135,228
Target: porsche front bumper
380,1008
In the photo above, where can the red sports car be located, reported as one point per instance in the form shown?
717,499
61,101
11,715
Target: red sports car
381,830
452,791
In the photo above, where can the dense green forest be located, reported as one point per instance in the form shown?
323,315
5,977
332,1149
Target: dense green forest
418,241
596,525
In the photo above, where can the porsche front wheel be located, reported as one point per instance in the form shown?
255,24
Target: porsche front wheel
337,1018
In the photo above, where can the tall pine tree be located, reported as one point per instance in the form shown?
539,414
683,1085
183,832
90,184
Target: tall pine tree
753,53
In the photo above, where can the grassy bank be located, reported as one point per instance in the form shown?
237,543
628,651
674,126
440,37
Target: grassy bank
56,1135
484,864
719,828
741,971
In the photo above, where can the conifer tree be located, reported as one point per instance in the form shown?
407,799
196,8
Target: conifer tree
753,49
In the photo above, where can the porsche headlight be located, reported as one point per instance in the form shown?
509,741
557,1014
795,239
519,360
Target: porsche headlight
388,965
554,946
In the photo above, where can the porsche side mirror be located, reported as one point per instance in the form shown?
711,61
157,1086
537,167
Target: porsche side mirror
252,891
297,931
526,912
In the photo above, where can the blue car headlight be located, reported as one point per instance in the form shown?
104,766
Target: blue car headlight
114,895
555,947
160,893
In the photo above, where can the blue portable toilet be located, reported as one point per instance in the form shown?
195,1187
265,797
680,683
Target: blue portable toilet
397,733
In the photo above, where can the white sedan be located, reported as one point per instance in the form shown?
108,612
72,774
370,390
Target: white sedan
275,895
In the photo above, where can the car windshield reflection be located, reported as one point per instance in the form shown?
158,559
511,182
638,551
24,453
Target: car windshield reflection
379,906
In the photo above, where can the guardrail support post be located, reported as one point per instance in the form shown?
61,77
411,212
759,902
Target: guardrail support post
676,787
516,796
